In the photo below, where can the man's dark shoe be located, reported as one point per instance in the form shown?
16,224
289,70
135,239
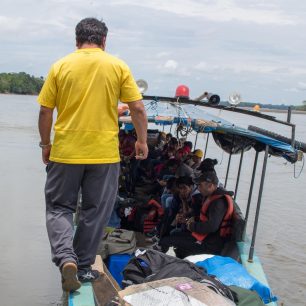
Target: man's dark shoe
88,275
69,277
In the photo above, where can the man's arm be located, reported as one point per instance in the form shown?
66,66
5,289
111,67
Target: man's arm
139,118
44,125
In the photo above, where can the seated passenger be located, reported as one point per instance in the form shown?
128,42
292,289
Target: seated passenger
207,164
183,152
127,145
170,189
161,141
172,145
185,202
208,232
194,159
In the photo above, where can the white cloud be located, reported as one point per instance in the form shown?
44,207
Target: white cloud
162,54
222,44
202,66
171,65
250,67
301,85
218,11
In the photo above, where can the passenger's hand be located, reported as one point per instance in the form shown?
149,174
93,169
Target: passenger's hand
162,183
141,150
190,221
180,218
46,154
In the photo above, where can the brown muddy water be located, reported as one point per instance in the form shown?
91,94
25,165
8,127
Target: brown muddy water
27,276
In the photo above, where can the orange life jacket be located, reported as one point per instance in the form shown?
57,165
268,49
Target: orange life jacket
225,228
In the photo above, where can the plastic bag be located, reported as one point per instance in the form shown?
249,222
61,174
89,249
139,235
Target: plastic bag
232,273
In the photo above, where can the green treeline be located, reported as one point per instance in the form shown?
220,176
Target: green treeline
269,106
20,83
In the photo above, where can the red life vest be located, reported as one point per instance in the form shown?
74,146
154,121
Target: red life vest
225,228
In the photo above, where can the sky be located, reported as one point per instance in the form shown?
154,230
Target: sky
256,48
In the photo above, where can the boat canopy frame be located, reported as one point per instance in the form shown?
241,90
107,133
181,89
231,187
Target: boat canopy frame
231,139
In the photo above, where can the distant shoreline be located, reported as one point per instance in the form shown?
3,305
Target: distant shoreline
262,110
276,110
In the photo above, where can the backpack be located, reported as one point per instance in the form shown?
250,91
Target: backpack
119,241
150,265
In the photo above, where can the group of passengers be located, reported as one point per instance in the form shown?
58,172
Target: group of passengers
197,209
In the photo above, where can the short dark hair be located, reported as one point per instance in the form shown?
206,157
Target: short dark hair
188,144
90,30
184,180
207,164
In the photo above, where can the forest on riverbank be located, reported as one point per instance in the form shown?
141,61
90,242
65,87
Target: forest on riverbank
24,84
20,83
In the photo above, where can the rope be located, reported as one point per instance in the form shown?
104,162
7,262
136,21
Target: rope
294,171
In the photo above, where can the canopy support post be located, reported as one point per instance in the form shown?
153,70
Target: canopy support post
207,139
251,192
263,174
195,142
228,167
238,175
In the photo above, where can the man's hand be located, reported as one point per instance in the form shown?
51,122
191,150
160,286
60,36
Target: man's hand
46,154
141,150
44,125
139,119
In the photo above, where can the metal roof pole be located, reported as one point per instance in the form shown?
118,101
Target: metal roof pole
293,136
289,114
195,142
263,174
251,191
207,138
227,170
238,175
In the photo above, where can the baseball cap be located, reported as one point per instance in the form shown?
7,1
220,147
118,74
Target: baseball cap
209,176
198,153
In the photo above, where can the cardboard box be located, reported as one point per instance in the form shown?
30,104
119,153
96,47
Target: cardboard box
176,291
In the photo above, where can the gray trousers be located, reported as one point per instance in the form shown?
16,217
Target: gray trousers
99,184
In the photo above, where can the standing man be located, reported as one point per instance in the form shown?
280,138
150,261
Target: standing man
84,87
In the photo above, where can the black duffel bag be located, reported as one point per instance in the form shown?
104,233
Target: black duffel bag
150,265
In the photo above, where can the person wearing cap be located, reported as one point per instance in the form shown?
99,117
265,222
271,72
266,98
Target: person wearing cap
196,158
207,232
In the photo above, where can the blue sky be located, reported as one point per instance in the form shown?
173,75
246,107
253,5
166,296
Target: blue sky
257,48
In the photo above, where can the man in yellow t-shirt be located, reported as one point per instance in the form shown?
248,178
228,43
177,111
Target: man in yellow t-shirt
84,87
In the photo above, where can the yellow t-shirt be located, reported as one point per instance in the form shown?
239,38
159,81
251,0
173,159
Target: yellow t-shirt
85,87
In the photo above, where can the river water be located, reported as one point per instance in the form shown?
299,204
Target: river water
27,276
